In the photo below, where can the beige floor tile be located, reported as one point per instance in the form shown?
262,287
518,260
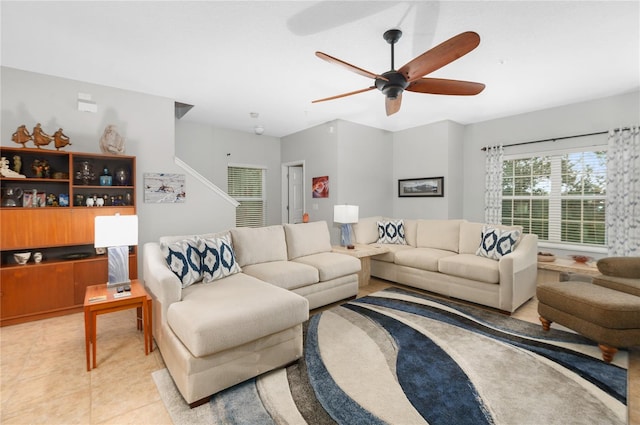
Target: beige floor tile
74,408
154,413
116,398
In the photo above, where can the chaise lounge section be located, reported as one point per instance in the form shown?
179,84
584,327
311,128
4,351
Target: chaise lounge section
241,314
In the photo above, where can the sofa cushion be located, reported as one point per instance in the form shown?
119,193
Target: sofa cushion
366,230
439,234
331,265
421,258
285,274
259,244
471,235
184,260
497,243
307,238
207,322
470,266
620,267
391,232
218,258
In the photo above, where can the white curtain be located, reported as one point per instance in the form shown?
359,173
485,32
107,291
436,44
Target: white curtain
493,185
623,192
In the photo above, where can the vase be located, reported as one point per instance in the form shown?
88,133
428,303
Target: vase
121,176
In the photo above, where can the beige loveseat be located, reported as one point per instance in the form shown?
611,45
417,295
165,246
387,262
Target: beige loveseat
441,256
243,315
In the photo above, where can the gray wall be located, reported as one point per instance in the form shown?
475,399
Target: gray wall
429,151
147,123
358,161
210,150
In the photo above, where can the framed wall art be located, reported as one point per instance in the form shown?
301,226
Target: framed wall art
426,186
320,187
164,188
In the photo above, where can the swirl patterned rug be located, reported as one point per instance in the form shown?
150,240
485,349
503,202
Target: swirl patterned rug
397,357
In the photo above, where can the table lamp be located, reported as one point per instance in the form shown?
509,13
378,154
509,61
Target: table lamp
346,215
116,233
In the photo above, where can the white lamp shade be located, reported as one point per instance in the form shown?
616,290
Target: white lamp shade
116,230
345,213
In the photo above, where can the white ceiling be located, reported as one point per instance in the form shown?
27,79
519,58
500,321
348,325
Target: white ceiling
236,57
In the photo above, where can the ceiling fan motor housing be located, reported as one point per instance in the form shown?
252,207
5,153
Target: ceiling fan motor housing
394,86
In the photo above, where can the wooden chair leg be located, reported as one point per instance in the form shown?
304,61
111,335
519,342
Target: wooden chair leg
607,352
546,324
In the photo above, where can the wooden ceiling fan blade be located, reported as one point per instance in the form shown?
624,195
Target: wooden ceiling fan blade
441,55
392,105
348,66
343,95
443,86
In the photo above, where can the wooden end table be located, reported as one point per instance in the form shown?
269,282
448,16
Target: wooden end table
364,253
99,299
550,271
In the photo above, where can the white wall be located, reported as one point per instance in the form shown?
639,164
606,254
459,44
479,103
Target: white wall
210,150
147,123
580,118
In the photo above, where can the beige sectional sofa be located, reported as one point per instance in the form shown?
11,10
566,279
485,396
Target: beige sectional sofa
442,256
242,316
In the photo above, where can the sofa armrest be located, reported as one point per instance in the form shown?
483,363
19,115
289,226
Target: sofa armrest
518,273
158,278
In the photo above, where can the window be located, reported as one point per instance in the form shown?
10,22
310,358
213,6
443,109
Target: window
559,197
247,186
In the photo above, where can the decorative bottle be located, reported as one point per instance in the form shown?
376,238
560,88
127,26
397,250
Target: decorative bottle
105,178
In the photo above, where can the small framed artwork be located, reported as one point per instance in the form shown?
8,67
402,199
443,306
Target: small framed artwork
320,187
63,200
426,186
164,188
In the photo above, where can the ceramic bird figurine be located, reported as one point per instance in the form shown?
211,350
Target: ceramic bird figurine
60,139
21,135
40,138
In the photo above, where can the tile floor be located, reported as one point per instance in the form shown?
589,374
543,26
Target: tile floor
44,378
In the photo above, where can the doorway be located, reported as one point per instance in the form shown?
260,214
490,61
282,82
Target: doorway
293,205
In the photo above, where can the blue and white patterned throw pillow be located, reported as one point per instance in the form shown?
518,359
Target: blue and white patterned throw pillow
391,232
184,260
497,243
218,259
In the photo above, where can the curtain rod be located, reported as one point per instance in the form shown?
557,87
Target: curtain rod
558,138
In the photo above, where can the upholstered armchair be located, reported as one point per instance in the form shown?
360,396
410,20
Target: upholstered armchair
606,310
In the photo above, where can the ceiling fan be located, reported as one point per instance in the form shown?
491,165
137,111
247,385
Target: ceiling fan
410,76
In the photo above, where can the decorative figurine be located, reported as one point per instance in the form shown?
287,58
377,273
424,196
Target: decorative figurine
21,135
111,141
5,171
40,138
17,163
60,139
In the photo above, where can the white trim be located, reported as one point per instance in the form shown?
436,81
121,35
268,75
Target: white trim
236,165
180,163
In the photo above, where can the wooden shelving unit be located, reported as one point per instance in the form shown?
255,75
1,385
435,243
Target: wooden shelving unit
63,234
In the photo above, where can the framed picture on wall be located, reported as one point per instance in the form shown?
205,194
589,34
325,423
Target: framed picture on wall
320,187
426,186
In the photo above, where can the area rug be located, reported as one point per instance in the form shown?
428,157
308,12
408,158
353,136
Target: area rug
398,357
